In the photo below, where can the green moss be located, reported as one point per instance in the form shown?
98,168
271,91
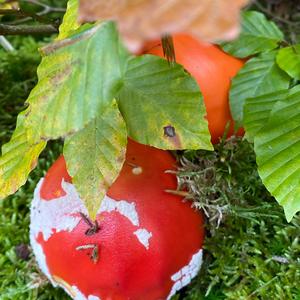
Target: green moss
254,254
20,279
17,77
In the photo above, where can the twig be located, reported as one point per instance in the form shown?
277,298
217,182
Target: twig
95,251
41,4
6,44
85,247
27,29
275,17
168,49
94,227
86,219
178,193
21,13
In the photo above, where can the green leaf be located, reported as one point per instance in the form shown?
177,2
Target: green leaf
19,158
95,156
162,105
69,23
257,111
77,79
288,60
260,75
277,146
257,35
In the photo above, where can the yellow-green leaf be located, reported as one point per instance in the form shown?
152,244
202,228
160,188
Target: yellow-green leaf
18,158
163,106
69,23
77,78
95,156
9,4
288,60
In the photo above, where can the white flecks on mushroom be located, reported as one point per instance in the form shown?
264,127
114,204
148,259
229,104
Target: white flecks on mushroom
40,257
137,170
143,236
184,276
80,296
73,291
58,215
93,298
123,207
61,214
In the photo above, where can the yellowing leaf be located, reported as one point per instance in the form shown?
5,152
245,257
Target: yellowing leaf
148,19
95,156
77,78
166,116
9,5
69,24
18,158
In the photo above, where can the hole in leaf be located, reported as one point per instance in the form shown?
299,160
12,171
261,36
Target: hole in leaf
169,131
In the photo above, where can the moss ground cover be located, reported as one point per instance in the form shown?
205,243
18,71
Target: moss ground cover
254,253
19,278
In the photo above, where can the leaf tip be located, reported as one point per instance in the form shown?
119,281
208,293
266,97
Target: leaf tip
289,214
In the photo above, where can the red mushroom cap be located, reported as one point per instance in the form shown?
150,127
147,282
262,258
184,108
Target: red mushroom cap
149,242
213,69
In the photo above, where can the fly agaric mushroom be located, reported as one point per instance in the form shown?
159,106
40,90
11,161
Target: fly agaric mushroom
145,243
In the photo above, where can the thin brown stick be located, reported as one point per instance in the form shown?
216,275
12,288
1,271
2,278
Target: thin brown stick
27,29
22,13
168,48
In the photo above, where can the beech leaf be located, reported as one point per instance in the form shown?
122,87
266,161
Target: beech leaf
77,78
260,75
288,59
258,35
142,20
163,106
69,23
277,148
257,111
19,158
95,156
9,5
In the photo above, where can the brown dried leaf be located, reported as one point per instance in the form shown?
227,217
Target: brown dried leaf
141,20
